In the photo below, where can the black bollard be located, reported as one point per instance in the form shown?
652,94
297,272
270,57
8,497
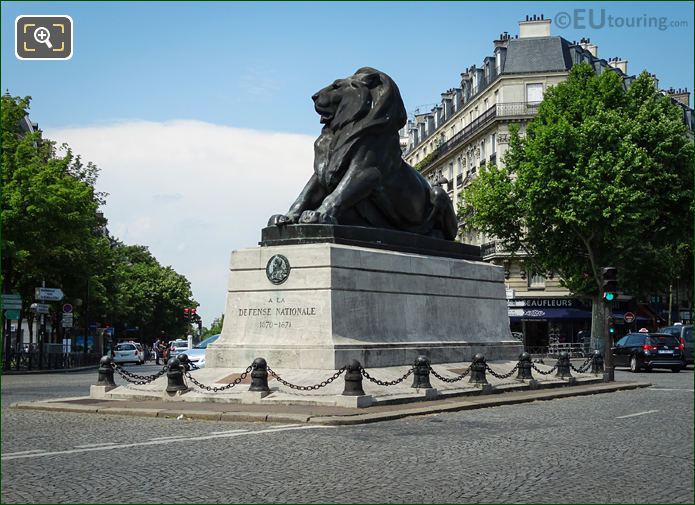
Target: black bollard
353,379
185,362
421,373
175,376
259,375
597,362
105,372
478,370
525,367
563,366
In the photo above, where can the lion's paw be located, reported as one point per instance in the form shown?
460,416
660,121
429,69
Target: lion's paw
316,217
278,220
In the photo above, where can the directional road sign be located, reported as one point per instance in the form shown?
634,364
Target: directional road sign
41,308
49,294
11,301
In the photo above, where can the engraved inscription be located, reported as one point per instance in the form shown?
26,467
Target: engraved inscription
276,313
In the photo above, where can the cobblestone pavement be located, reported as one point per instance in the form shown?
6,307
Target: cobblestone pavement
625,447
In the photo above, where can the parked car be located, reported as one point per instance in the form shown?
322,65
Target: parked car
129,352
646,350
683,332
177,347
197,354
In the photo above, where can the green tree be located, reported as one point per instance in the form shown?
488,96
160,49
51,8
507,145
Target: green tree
146,295
602,177
52,231
215,328
50,220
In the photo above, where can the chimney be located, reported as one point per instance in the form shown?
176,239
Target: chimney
681,95
654,80
588,46
534,26
618,63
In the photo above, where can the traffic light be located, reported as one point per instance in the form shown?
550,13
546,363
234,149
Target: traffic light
609,276
186,313
611,325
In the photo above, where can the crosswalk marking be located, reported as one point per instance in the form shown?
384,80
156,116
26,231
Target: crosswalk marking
21,452
637,414
39,454
669,389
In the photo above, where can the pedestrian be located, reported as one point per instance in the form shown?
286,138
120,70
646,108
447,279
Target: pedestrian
157,352
163,347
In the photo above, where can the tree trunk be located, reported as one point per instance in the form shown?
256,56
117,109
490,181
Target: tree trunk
598,318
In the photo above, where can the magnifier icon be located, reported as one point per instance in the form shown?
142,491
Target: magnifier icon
43,36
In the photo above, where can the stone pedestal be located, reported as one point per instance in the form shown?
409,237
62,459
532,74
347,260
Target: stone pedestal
341,302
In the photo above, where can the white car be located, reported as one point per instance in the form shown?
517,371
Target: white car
177,347
129,352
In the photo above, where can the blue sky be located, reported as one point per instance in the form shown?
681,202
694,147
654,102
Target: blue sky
199,113
241,64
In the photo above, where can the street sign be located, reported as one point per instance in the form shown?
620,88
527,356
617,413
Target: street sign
67,308
41,308
49,294
12,315
515,312
67,316
66,324
629,317
11,301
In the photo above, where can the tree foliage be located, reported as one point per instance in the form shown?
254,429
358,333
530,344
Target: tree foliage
53,232
215,328
603,176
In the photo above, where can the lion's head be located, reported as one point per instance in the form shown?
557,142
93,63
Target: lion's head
369,98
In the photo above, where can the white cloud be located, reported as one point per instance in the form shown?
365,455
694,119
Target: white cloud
193,191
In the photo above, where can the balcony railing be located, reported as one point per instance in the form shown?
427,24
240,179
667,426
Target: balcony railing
501,110
492,248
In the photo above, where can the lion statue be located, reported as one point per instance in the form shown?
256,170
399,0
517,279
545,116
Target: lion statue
359,176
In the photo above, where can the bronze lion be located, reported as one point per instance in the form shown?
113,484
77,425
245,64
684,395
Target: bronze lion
359,176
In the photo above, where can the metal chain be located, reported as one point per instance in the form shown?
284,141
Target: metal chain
386,383
502,376
584,366
215,389
307,388
541,371
134,378
452,379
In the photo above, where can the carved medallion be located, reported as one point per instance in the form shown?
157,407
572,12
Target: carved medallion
277,269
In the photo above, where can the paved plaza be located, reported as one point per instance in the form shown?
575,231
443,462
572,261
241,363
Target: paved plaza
582,449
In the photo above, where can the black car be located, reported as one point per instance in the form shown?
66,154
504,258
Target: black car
685,334
649,350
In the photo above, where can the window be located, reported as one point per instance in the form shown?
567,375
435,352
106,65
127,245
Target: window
482,150
536,280
635,340
497,96
485,104
493,143
534,92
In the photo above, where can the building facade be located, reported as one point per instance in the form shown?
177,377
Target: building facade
471,127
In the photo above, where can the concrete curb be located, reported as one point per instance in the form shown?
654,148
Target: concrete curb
359,417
